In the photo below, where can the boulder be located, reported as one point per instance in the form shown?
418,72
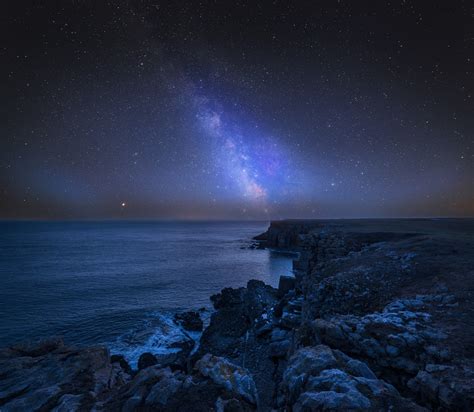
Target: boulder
230,376
146,360
120,359
213,383
238,311
399,337
190,321
51,376
318,378
449,387
168,383
279,349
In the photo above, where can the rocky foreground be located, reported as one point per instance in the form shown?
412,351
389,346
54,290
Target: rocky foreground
379,316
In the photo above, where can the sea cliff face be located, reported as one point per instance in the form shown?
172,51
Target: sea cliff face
378,317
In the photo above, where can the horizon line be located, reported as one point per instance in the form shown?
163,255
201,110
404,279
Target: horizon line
190,220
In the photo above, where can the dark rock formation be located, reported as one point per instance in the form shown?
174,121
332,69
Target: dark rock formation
214,384
318,378
120,359
190,321
238,331
285,284
384,298
49,375
146,360
378,317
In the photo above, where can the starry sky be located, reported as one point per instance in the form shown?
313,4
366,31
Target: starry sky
236,110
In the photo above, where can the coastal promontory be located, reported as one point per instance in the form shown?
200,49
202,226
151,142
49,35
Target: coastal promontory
379,316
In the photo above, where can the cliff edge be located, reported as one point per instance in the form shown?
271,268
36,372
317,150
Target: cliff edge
379,316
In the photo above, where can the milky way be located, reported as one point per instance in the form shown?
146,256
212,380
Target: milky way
195,110
252,162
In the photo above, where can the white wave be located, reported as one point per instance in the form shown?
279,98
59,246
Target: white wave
157,336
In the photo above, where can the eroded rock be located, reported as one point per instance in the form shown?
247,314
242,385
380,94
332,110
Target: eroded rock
50,375
318,378
190,321
230,376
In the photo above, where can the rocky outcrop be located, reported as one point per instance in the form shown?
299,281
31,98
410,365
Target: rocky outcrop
383,297
214,384
190,321
374,319
146,360
445,386
400,342
50,375
286,234
239,329
285,285
400,336
233,378
318,378
239,312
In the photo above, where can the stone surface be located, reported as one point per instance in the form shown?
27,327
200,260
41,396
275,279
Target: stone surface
146,359
120,359
285,284
376,309
49,375
230,376
318,378
239,331
213,383
190,321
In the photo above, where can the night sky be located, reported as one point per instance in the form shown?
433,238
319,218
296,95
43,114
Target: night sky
236,110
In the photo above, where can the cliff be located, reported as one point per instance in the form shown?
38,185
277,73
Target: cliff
378,317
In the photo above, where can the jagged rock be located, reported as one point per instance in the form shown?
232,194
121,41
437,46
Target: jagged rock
285,284
264,330
230,376
279,335
279,349
122,362
331,400
239,330
447,386
190,321
400,338
318,378
36,349
290,320
167,385
358,368
51,375
146,360
285,234
238,311
213,382
69,403
380,310
227,298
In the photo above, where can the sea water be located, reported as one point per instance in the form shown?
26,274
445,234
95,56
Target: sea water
119,283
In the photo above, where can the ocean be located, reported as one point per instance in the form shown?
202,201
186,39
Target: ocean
118,283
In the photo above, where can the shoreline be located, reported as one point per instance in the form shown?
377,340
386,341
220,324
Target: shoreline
376,316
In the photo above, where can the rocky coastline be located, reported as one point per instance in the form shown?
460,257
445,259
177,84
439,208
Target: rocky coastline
379,316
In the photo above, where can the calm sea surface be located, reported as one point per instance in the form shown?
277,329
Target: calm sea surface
118,283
